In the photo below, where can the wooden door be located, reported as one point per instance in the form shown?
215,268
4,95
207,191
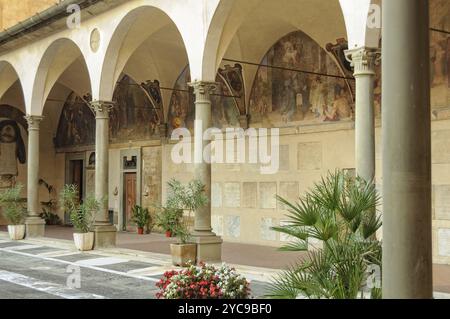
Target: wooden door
130,199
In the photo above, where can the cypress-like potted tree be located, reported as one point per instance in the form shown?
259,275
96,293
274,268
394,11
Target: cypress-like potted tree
188,198
81,216
15,212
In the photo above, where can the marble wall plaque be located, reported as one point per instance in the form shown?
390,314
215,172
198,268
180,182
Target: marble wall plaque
441,146
151,176
266,232
442,201
217,224
249,195
285,237
444,242
309,156
232,195
290,192
90,182
267,193
284,158
233,226
216,195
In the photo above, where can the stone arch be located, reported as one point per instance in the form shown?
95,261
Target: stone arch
133,30
56,59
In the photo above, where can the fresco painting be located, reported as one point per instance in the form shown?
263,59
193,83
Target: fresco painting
135,116
282,97
225,107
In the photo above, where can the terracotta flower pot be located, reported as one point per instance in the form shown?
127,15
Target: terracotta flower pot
140,230
16,232
84,242
168,234
183,254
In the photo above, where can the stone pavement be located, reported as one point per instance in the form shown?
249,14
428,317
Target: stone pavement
148,257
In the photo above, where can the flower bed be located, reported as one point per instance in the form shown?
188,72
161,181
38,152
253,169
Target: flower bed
203,282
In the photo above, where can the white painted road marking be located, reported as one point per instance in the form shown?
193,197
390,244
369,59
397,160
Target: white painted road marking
47,287
101,261
83,266
23,247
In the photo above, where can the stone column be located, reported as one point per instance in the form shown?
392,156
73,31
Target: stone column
105,232
209,246
363,60
407,250
35,225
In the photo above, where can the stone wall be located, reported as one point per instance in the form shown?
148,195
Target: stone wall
13,11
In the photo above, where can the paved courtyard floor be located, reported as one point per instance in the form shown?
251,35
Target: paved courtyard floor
40,268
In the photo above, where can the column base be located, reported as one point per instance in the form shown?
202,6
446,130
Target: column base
35,227
209,248
105,236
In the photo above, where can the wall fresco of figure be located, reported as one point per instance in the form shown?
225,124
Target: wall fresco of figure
135,116
76,124
283,97
440,55
227,102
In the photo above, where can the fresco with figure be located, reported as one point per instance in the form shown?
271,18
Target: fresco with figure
227,102
135,116
440,56
283,97
12,152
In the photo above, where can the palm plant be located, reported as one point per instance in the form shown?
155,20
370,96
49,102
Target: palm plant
13,206
81,215
340,213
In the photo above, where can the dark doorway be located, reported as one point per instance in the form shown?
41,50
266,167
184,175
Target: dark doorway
76,177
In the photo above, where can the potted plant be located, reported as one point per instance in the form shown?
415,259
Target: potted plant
81,216
168,218
188,198
14,211
141,217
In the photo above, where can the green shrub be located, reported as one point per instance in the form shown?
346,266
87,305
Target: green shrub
141,216
13,206
82,216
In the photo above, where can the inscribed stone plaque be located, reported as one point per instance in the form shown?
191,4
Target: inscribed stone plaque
285,237
232,195
441,146
216,195
444,242
267,193
442,201
266,232
290,192
151,176
309,156
284,158
217,224
90,181
233,226
249,195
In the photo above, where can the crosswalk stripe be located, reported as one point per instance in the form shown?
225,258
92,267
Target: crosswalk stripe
47,287
101,261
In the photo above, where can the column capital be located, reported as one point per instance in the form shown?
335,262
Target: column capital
203,89
363,60
101,109
33,121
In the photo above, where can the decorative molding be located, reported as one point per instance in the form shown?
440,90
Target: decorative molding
101,109
363,60
34,122
203,90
